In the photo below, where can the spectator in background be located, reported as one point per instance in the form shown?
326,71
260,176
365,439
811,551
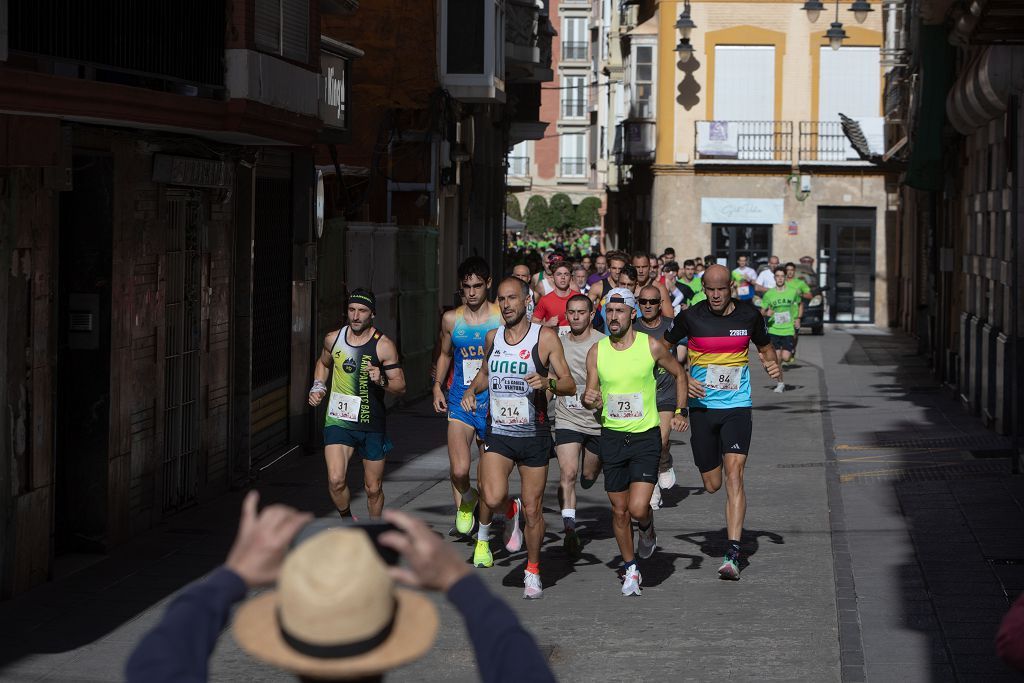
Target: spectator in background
807,261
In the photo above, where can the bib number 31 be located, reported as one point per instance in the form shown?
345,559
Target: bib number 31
344,407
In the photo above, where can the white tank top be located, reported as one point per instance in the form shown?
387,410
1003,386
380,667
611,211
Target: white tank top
515,408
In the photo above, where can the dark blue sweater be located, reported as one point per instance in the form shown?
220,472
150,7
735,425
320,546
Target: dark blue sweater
179,647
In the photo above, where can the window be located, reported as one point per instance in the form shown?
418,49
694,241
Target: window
573,153
519,160
574,97
470,49
744,83
643,82
850,84
574,39
282,28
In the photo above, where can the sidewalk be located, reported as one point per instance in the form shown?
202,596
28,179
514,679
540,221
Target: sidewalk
880,545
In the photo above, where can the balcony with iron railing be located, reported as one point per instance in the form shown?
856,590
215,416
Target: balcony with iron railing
519,166
574,108
573,167
634,142
744,142
824,142
574,50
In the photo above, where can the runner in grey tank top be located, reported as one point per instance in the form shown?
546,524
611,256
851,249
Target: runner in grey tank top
577,429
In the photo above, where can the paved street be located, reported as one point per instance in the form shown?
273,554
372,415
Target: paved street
885,537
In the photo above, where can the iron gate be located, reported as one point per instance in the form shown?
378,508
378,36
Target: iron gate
181,351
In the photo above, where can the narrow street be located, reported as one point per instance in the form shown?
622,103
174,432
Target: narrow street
883,535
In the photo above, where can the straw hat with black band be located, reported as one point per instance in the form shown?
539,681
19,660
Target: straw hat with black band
336,613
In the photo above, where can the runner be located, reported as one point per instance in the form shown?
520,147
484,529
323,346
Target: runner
803,290
766,278
365,366
647,275
719,332
518,356
600,269
681,294
620,381
542,283
653,323
521,271
744,278
550,310
579,278
463,331
689,276
577,429
783,308
616,262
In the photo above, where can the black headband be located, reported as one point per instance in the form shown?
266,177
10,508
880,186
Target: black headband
364,299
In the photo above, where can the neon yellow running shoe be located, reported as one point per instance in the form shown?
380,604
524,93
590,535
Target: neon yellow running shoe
482,555
464,515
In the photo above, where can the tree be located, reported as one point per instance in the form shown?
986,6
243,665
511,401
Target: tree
563,214
537,215
588,213
512,209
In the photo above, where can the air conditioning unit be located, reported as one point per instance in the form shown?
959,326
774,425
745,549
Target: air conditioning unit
471,49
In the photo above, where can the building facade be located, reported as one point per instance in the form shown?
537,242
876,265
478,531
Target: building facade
739,149
954,114
156,224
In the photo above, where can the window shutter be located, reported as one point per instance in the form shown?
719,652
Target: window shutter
744,83
268,25
849,83
295,29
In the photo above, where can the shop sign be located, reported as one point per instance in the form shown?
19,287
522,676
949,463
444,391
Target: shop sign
740,210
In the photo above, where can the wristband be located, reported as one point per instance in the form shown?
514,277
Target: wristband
318,387
682,411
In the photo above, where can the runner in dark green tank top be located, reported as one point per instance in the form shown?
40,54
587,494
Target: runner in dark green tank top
363,365
620,382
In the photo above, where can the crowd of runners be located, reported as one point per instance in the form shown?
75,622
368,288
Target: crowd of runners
590,359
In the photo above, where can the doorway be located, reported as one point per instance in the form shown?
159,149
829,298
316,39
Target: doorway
846,263
83,357
729,240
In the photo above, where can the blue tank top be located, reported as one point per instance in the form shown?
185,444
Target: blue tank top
468,350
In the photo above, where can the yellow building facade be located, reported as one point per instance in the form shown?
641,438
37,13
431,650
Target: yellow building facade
750,157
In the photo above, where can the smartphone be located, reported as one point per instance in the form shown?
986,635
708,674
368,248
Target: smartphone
373,528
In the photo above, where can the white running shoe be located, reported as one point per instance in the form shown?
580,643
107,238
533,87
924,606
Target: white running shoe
656,499
667,479
513,535
647,541
779,388
631,582
532,588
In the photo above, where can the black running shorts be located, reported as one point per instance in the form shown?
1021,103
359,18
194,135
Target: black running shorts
591,442
528,451
628,457
716,431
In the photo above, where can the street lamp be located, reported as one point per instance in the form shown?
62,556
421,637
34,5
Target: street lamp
813,9
685,27
860,9
835,33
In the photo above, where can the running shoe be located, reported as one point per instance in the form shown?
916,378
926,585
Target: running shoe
464,515
667,479
730,569
631,582
656,498
779,388
572,544
532,589
482,554
513,534
647,541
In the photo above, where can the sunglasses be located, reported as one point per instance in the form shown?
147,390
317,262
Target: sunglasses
648,302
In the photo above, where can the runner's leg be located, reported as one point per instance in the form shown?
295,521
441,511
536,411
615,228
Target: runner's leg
533,481
492,477
337,457
665,462
622,525
568,471
460,444
736,497
639,499
373,481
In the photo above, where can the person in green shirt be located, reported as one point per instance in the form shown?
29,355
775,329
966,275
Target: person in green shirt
797,283
689,277
783,308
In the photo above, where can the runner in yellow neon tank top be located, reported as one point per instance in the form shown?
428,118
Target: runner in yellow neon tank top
620,381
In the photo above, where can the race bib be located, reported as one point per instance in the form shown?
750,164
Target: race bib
626,406
563,330
470,366
723,378
510,410
574,403
344,407
743,290
783,317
